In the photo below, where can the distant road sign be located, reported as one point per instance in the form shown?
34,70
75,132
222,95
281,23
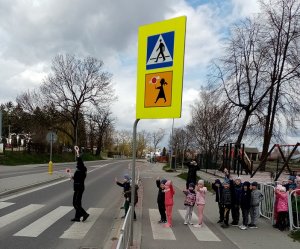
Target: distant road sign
51,137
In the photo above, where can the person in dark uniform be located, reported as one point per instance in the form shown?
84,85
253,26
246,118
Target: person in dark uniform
192,173
79,177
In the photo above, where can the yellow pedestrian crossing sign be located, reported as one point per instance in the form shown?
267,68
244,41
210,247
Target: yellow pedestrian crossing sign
160,69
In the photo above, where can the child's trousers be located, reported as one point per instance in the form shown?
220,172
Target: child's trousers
162,211
189,213
169,210
245,213
200,213
254,214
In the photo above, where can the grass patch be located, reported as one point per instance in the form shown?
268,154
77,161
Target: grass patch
167,168
13,158
295,235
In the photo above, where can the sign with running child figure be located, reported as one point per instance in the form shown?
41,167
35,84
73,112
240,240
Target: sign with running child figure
160,69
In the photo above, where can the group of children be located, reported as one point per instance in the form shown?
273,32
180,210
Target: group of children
233,196
194,195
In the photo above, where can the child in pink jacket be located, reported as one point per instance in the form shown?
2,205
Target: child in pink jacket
169,193
281,207
200,201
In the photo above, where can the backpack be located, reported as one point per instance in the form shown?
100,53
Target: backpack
190,199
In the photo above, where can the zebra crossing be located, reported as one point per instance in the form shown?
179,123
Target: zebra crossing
162,233
77,230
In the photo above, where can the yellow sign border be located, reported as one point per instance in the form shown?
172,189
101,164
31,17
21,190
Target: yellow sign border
178,25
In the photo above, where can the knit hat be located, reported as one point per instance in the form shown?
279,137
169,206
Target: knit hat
201,182
191,185
225,183
254,184
246,184
282,189
163,181
292,178
217,181
238,178
127,177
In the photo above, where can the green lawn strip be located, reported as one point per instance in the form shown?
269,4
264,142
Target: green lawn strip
22,158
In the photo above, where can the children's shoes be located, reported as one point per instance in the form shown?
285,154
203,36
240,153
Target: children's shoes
198,225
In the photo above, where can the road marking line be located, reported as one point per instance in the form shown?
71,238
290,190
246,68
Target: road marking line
158,230
40,225
45,186
79,229
203,233
5,204
33,190
18,214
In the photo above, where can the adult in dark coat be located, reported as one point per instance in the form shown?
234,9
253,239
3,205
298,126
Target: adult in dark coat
79,177
192,173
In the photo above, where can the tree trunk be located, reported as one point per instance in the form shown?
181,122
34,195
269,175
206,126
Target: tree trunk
243,128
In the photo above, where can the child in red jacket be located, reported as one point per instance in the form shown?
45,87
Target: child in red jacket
281,207
169,193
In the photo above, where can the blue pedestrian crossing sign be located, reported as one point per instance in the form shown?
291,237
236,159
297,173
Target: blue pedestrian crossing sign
160,50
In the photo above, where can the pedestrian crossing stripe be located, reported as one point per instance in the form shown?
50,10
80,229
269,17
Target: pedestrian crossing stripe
160,49
79,229
158,230
40,225
18,214
5,204
203,233
162,233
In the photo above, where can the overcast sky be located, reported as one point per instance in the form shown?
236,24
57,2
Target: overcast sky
32,32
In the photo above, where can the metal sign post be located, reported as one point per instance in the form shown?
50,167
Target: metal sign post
133,179
51,137
0,126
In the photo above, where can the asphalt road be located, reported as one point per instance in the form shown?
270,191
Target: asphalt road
41,219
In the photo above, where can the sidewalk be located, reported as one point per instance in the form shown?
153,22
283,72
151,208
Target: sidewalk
264,237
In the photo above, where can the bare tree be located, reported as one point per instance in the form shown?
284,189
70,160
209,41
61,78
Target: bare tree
100,126
182,139
211,123
242,73
157,137
143,138
76,85
124,141
282,38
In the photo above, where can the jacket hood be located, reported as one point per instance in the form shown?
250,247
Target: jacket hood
80,164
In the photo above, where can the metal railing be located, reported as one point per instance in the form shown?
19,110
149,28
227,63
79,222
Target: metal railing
267,204
124,238
294,209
